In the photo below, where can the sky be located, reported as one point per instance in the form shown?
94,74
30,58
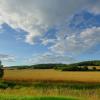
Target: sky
49,31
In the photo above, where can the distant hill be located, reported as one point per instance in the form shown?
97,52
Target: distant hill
39,66
88,63
56,66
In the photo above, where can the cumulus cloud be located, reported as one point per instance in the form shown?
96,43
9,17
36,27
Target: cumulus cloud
51,58
48,41
1,29
91,36
7,58
36,16
95,7
96,10
77,42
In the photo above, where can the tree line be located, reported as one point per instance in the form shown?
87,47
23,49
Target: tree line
81,66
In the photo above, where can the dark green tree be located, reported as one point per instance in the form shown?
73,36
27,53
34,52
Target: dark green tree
1,70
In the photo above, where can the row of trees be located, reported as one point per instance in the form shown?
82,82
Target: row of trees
41,66
80,68
87,63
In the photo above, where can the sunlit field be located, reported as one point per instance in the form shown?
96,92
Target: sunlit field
49,83
51,75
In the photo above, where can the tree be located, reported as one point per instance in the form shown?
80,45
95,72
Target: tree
0,63
94,68
1,70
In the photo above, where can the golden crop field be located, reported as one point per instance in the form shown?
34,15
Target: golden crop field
49,82
51,75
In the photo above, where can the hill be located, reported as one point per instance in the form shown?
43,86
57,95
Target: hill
83,64
88,63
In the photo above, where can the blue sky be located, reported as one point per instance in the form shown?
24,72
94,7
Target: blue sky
49,31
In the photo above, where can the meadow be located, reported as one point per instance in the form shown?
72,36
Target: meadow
49,83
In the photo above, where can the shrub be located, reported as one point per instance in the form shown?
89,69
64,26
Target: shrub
94,68
3,86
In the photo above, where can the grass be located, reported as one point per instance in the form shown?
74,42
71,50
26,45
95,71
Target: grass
7,97
50,83
50,89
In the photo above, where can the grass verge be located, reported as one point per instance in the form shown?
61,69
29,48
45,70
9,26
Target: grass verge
7,97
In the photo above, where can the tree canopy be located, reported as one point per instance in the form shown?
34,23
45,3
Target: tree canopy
1,70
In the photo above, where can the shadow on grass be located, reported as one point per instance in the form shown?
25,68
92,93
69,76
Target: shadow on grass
44,85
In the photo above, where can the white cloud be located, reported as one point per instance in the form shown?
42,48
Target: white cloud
96,10
8,58
51,58
47,41
95,7
36,16
91,36
77,43
1,29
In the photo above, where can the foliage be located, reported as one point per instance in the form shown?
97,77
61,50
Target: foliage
72,67
1,70
40,66
88,63
94,68
75,68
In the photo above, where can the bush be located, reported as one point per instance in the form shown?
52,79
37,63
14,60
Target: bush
85,68
3,86
94,68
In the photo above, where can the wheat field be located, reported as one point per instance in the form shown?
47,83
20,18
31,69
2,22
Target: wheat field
51,75
53,83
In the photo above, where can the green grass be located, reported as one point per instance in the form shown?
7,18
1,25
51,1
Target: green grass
49,85
10,90
3,97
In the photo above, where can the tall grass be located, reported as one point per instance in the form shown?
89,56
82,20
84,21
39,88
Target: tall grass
53,89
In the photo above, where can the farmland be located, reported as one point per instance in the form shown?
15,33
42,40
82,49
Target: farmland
51,75
50,83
